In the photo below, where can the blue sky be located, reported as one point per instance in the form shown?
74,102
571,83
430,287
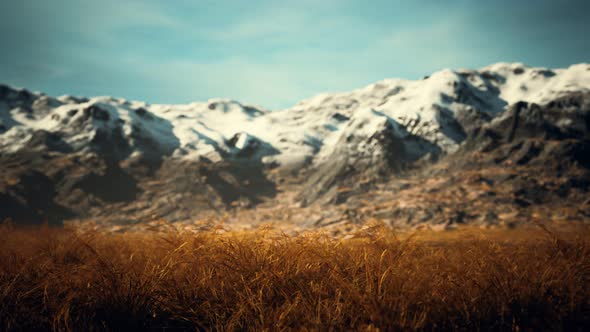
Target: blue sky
272,53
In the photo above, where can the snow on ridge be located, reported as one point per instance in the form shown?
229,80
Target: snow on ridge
429,108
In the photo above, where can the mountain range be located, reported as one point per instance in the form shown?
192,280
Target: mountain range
500,145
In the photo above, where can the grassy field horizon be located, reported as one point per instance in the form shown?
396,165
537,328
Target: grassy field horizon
376,280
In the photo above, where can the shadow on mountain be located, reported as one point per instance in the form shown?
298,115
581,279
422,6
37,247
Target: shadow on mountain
114,185
246,185
31,201
486,97
243,178
153,137
51,141
450,127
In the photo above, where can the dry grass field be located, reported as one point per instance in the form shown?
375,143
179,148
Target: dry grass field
376,280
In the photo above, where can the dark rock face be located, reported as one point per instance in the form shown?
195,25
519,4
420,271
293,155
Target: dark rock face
518,71
95,112
565,118
250,147
471,120
549,135
31,200
340,117
112,184
449,125
143,113
48,141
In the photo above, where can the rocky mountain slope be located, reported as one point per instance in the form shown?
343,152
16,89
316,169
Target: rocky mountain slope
125,162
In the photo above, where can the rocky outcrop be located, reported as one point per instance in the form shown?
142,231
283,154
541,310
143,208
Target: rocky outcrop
371,148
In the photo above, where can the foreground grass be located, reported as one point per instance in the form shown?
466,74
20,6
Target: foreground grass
511,280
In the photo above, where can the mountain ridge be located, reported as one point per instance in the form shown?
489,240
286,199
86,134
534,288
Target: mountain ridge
232,154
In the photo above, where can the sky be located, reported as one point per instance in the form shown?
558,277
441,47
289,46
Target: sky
272,53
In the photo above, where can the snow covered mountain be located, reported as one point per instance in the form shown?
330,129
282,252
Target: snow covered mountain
330,138
436,111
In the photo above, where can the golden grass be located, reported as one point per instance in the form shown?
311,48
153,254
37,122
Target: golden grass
59,279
